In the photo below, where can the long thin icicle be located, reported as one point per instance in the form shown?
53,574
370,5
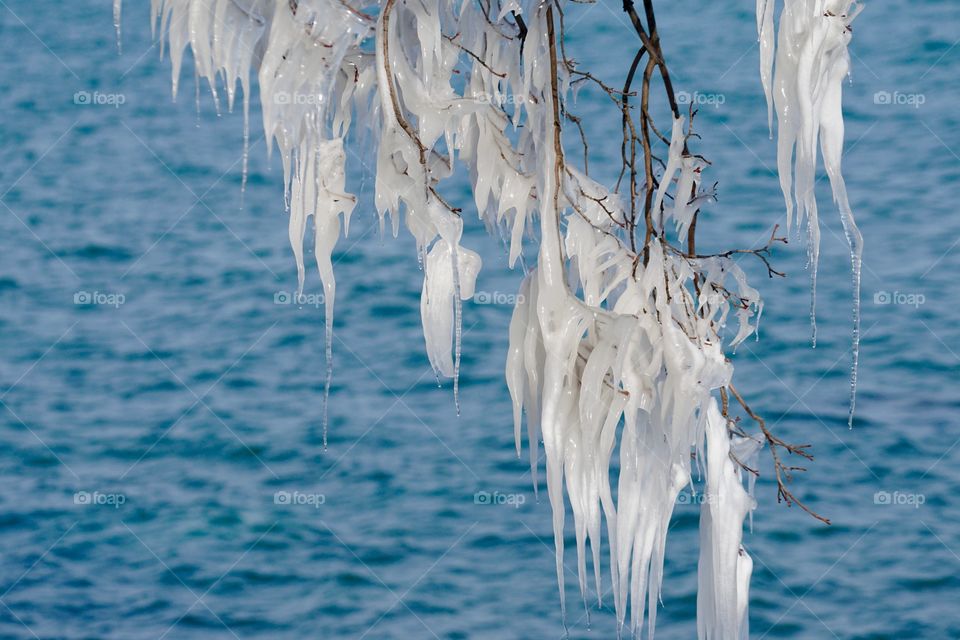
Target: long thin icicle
117,7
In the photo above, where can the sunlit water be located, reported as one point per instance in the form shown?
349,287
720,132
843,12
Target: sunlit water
192,395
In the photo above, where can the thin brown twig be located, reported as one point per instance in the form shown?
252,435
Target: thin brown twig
782,470
763,253
453,41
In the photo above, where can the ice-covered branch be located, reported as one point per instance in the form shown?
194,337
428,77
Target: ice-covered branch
620,334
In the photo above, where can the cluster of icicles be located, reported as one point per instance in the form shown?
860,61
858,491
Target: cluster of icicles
804,88
604,349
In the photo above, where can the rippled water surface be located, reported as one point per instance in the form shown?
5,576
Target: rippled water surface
198,398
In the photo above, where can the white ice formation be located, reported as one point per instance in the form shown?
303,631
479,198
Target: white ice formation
606,347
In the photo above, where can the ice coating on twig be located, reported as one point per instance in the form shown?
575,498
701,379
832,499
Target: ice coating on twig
725,505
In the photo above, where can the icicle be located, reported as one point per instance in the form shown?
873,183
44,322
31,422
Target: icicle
196,92
831,140
444,286
458,329
813,304
854,366
515,374
246,144
765,34
725,567
117,7
328,380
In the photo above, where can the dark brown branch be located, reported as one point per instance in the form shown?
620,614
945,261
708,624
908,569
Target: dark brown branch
652,42
628,123
522,26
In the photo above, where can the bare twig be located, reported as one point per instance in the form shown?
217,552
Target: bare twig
782,470
763,253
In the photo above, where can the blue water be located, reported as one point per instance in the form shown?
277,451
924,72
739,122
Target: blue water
184,410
